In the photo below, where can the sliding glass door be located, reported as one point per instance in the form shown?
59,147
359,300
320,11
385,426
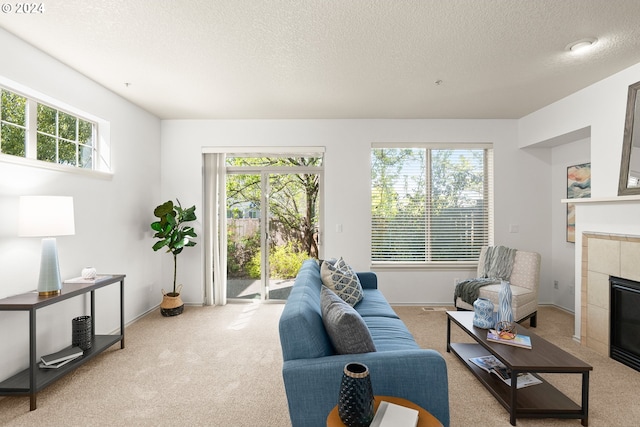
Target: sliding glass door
273,225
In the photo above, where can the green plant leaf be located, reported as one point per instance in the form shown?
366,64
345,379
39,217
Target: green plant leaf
159,244
163,209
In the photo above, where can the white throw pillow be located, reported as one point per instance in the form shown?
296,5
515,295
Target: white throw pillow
342,280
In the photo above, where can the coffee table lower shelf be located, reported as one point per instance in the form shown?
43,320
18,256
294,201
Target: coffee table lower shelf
536,401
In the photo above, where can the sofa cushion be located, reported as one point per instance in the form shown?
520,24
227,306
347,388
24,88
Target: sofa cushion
346,329
341,279
390,334
375,304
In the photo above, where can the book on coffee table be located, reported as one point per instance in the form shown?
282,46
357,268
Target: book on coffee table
519,340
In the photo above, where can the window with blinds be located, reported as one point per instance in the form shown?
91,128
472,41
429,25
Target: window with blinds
431,204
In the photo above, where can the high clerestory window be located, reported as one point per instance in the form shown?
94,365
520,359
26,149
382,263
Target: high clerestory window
431,205
35,130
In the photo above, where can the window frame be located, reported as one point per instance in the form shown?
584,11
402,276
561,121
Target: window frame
101,167
488,183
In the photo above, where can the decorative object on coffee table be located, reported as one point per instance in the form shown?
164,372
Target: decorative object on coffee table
505,314
483,313
355,405
506,330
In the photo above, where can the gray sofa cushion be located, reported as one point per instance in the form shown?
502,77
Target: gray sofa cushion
342,280
346,328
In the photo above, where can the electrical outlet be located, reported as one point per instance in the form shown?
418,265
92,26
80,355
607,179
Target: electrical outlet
555,284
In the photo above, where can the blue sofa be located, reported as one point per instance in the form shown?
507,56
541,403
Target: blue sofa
312,371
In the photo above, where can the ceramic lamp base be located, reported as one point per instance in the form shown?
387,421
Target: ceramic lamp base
49,282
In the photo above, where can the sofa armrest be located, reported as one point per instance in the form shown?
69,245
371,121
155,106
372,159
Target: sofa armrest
312,385
368,279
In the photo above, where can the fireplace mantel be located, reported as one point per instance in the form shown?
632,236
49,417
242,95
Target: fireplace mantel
613,199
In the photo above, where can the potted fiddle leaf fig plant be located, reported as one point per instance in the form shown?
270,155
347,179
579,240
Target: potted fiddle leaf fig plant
173,233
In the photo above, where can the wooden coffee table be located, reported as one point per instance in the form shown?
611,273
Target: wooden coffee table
425,419
536,401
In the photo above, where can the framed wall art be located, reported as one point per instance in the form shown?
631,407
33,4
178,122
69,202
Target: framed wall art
578,187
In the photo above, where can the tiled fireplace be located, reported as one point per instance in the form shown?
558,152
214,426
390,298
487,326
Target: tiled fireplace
603,255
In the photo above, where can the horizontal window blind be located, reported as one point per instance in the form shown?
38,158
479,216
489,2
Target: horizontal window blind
430,205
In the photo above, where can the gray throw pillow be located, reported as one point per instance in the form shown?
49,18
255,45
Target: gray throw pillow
342,280
344,325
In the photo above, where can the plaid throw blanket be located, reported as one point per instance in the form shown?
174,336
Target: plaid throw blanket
498,264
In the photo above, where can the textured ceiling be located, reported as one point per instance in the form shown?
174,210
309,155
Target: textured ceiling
336,58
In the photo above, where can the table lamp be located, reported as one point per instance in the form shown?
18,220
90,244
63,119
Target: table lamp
47,216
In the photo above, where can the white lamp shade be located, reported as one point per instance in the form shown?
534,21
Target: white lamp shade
46,216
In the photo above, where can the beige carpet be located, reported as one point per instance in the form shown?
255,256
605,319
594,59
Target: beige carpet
210,366
221,366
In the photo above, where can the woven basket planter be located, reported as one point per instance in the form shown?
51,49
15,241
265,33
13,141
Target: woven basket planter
171,304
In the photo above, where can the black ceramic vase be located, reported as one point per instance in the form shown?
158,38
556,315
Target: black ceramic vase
355,406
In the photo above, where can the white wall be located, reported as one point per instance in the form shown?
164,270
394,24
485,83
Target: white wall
519,175
602,108
563,252
112,215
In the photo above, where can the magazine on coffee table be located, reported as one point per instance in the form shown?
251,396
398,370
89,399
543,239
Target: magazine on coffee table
492,365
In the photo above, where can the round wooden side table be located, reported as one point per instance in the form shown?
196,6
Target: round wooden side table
425,419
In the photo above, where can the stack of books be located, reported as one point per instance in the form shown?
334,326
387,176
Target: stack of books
60,358
519,340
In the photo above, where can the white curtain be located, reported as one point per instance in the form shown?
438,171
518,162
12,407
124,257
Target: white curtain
215,227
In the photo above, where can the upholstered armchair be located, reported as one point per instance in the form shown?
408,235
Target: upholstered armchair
525,282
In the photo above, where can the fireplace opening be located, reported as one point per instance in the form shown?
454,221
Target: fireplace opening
625,321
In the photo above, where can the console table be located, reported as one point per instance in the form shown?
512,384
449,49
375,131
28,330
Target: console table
34,379
536,401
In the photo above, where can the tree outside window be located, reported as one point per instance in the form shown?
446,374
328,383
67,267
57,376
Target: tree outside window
60,137
429,205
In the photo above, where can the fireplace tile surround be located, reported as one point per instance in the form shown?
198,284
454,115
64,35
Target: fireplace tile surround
603,255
